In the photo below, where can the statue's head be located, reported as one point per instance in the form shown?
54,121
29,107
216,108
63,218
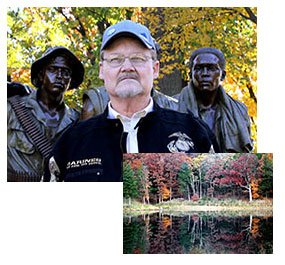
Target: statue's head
53,55
207,68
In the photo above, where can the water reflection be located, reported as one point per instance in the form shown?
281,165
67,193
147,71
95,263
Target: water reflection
198,233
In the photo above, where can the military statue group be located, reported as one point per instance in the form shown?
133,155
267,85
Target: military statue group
48,141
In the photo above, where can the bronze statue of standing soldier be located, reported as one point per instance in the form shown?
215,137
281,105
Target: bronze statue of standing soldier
36,120
206,98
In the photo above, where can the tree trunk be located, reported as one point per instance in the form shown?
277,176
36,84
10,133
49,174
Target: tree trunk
250,194
193,188
200,183
147,196
188,192
250,222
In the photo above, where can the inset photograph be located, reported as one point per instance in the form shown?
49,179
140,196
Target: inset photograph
198,203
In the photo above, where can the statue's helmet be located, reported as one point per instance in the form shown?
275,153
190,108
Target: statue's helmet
76,66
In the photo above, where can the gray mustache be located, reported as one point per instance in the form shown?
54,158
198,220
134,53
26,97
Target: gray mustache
128,75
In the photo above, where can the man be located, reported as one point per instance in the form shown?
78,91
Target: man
34,128
96,99
206,98
132,122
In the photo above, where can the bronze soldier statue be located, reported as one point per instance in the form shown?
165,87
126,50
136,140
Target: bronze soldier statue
36,120
206,98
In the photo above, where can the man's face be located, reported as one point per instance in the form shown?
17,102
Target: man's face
57,75
128,79
206,72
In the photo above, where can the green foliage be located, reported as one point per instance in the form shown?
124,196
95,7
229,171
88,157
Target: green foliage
133,236
31,30
184,177
130,189
266,184
142,180
181,30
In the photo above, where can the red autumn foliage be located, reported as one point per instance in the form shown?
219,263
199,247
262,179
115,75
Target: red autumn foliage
195,197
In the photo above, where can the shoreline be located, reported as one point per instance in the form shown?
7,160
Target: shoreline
260,208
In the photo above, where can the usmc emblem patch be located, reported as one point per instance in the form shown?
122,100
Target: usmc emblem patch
54,169
182,144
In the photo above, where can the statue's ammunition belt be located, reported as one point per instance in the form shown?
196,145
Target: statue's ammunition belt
14,176
28,123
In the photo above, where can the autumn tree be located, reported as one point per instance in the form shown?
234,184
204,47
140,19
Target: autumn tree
212,175
203,168
172,164
243,171
154,163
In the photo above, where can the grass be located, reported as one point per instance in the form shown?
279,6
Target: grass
240,207
137,206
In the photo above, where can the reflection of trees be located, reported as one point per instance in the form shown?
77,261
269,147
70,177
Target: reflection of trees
227,237
164,235
135,230
193,233
265,240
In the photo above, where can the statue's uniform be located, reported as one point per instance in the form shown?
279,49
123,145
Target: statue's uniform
231,121
23,157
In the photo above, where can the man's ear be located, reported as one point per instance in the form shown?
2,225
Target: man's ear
101,70
223,75
155,69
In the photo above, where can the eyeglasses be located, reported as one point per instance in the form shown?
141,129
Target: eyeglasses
136,59
66,73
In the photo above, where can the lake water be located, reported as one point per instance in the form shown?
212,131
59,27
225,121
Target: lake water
206,233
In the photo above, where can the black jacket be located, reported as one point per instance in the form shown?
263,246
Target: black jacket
92,149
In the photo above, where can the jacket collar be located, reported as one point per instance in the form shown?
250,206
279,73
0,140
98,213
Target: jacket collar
104,115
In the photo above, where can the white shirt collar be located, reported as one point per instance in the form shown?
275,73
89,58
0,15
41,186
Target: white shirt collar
113,114
129,125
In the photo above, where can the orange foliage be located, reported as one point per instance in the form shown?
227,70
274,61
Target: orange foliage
269,156
21,74
254,227
166,221
166,193
137,251
136,163
254,189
